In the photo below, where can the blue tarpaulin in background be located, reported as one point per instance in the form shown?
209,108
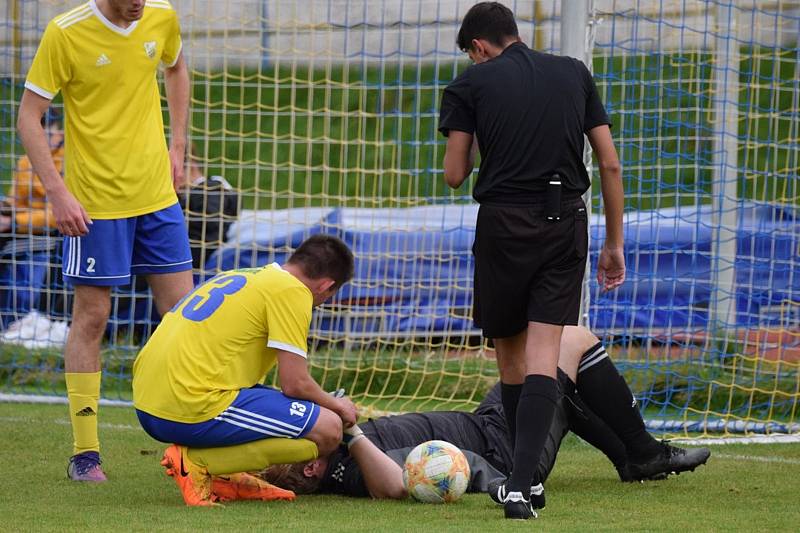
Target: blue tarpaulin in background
414,265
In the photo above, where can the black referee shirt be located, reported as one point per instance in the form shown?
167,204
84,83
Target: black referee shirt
529,111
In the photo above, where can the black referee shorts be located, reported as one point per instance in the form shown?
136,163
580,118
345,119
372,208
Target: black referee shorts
527,268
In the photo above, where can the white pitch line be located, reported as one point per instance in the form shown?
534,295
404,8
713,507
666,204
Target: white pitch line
757,458
64,422
753,439
48,399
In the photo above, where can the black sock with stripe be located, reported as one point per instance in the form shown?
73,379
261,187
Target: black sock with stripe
607,394
588,426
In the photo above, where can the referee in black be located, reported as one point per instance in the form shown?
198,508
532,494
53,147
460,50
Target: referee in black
527,112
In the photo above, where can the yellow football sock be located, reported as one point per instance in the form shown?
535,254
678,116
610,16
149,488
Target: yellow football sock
83,391
252,456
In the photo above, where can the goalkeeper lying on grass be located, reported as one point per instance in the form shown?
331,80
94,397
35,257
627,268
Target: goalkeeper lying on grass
595,404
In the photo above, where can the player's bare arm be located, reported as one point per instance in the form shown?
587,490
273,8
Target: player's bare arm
382,476
459,158
611,265
298,383
71,218
176,81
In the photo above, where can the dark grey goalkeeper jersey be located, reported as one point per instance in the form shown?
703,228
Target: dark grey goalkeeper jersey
481,435
398,435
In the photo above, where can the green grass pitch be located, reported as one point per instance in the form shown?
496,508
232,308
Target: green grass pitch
743,487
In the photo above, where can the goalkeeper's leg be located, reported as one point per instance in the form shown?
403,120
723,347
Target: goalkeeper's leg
606,393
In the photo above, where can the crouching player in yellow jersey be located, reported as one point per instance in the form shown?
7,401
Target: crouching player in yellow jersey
196,381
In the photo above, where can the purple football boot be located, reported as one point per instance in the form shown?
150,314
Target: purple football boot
86,467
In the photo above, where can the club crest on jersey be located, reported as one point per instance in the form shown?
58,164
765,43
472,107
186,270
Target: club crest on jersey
150,49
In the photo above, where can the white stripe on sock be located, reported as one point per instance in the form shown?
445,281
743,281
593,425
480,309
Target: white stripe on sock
593,359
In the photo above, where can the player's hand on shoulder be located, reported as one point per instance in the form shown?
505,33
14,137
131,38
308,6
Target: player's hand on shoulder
71,218
347,411
611,267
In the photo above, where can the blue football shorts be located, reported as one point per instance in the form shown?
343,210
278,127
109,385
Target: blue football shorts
155,243
257,413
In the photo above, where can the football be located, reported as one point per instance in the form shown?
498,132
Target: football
436,472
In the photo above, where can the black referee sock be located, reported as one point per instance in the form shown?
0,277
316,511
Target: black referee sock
509,395
588,426
535,410
606,393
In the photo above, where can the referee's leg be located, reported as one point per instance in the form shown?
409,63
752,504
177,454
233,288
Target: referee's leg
530,359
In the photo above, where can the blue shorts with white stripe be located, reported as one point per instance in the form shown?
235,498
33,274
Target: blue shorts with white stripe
155,243
257,413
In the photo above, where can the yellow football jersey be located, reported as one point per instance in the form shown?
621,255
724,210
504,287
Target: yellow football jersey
220,338
117,163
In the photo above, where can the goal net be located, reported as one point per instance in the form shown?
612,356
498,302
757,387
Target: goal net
321,116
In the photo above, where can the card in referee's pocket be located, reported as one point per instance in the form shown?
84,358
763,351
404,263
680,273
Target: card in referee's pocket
581,232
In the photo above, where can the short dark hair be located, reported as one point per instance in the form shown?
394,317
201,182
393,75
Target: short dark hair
487,20
324,256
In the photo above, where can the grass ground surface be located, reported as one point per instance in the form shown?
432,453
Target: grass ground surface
412,379
744,487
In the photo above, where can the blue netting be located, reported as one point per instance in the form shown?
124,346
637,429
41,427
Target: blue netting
328,113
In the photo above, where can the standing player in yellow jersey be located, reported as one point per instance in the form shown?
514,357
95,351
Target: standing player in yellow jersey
196,382
116,205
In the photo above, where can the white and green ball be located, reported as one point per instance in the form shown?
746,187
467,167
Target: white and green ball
436,472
